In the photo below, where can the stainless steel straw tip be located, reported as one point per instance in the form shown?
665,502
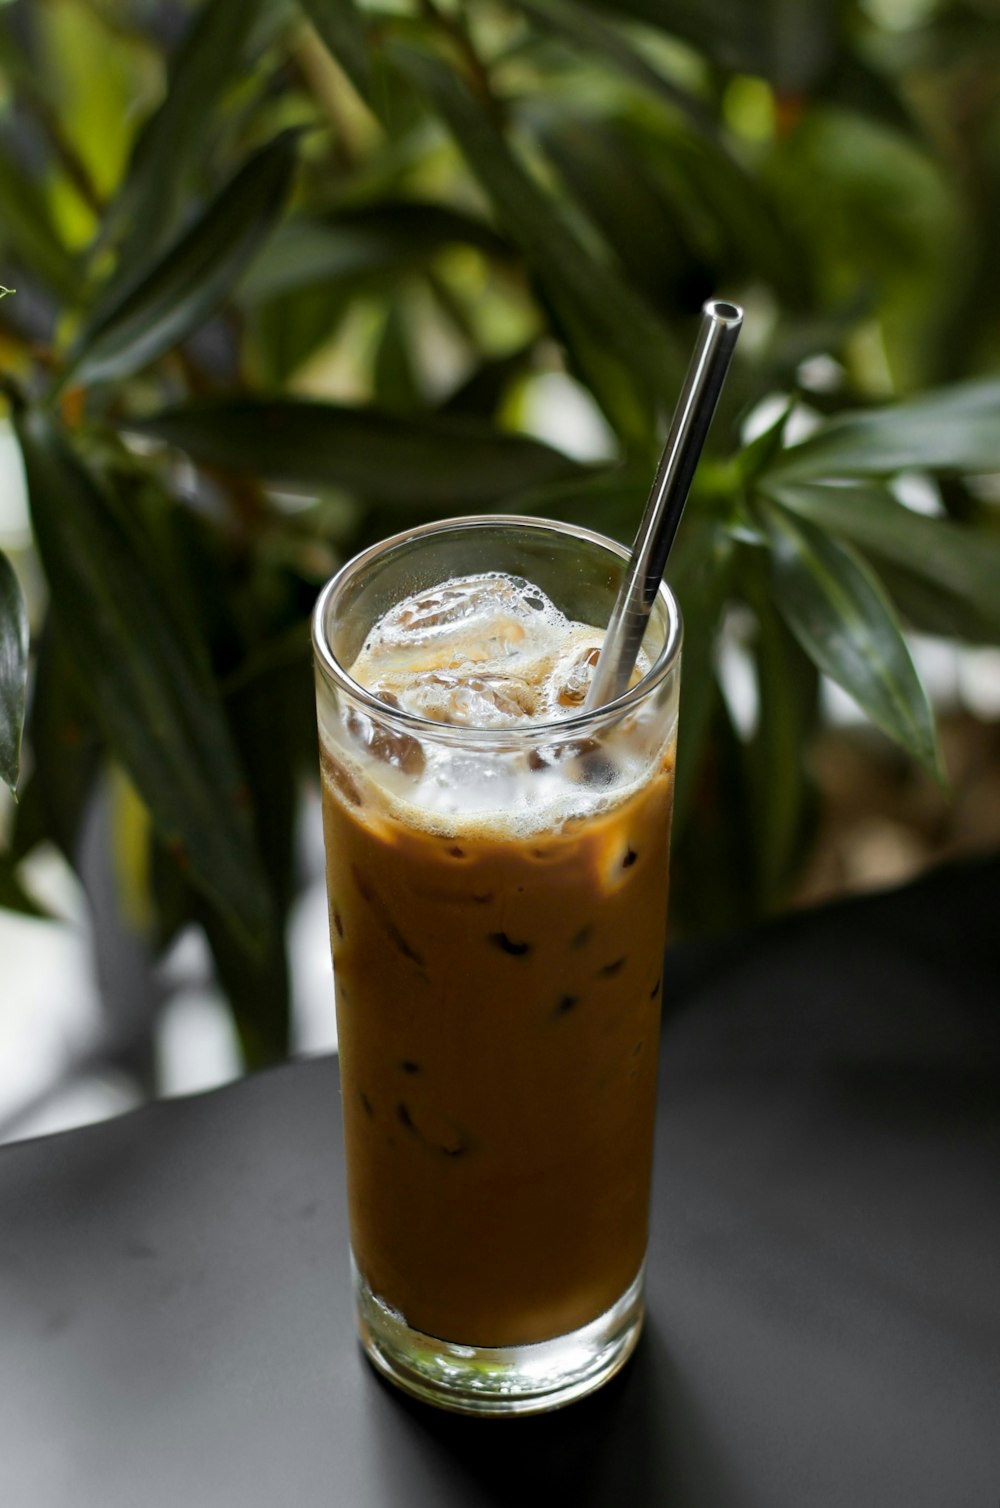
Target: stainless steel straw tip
719,328
730,316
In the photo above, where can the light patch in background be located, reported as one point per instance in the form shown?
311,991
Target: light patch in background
554,408
49,1007
821,373
957,678
90,1098
802,421
979,682
15,530
918,492
937,662
900,15
314,1017
196,1043
735,671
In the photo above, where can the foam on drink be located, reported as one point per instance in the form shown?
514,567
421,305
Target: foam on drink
484,651
489,652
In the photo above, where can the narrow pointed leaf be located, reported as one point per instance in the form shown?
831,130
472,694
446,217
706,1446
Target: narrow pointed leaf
788,696
27,232
152,700
348,245
192,277
340,25
954,429
433,461
13,671
610,501
930,610
854,84
962,563
755,234
699,573
394,374
570,273
789,42
66,749
586,31
713,887
839,613
609,183
483,391
206,59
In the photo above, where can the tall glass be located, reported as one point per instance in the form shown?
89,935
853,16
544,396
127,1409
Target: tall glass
497,915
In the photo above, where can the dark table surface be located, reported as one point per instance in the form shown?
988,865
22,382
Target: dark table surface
824,1277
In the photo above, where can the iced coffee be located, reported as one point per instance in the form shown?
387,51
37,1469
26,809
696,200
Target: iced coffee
497,876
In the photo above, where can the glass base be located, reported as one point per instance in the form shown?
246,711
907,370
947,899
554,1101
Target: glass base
499,1379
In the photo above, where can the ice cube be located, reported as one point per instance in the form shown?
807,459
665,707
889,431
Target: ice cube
584,761
466,698
569,684
470,620
383,742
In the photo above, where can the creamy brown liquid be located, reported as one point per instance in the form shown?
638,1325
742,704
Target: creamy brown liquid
498,1001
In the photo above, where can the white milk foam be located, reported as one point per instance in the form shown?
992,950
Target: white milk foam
481,652
489,652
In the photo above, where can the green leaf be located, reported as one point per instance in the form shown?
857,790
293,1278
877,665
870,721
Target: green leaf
66,749
27,233
755,456
712,887
13,671
610,500
206,59
840,615
746,228
963,563
434,461
271,714
781,807
583,30
29,826
340,25
854,84
388,238
930,610
954,429
259,992
395,378
151,698
789,42
607,180
700,572
572,278
285,332
136,325
481,394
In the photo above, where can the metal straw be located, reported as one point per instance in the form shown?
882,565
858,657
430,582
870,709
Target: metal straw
720,326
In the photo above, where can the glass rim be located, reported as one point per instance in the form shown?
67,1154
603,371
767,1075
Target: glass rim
332,670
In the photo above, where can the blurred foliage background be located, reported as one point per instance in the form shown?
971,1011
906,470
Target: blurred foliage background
294,276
